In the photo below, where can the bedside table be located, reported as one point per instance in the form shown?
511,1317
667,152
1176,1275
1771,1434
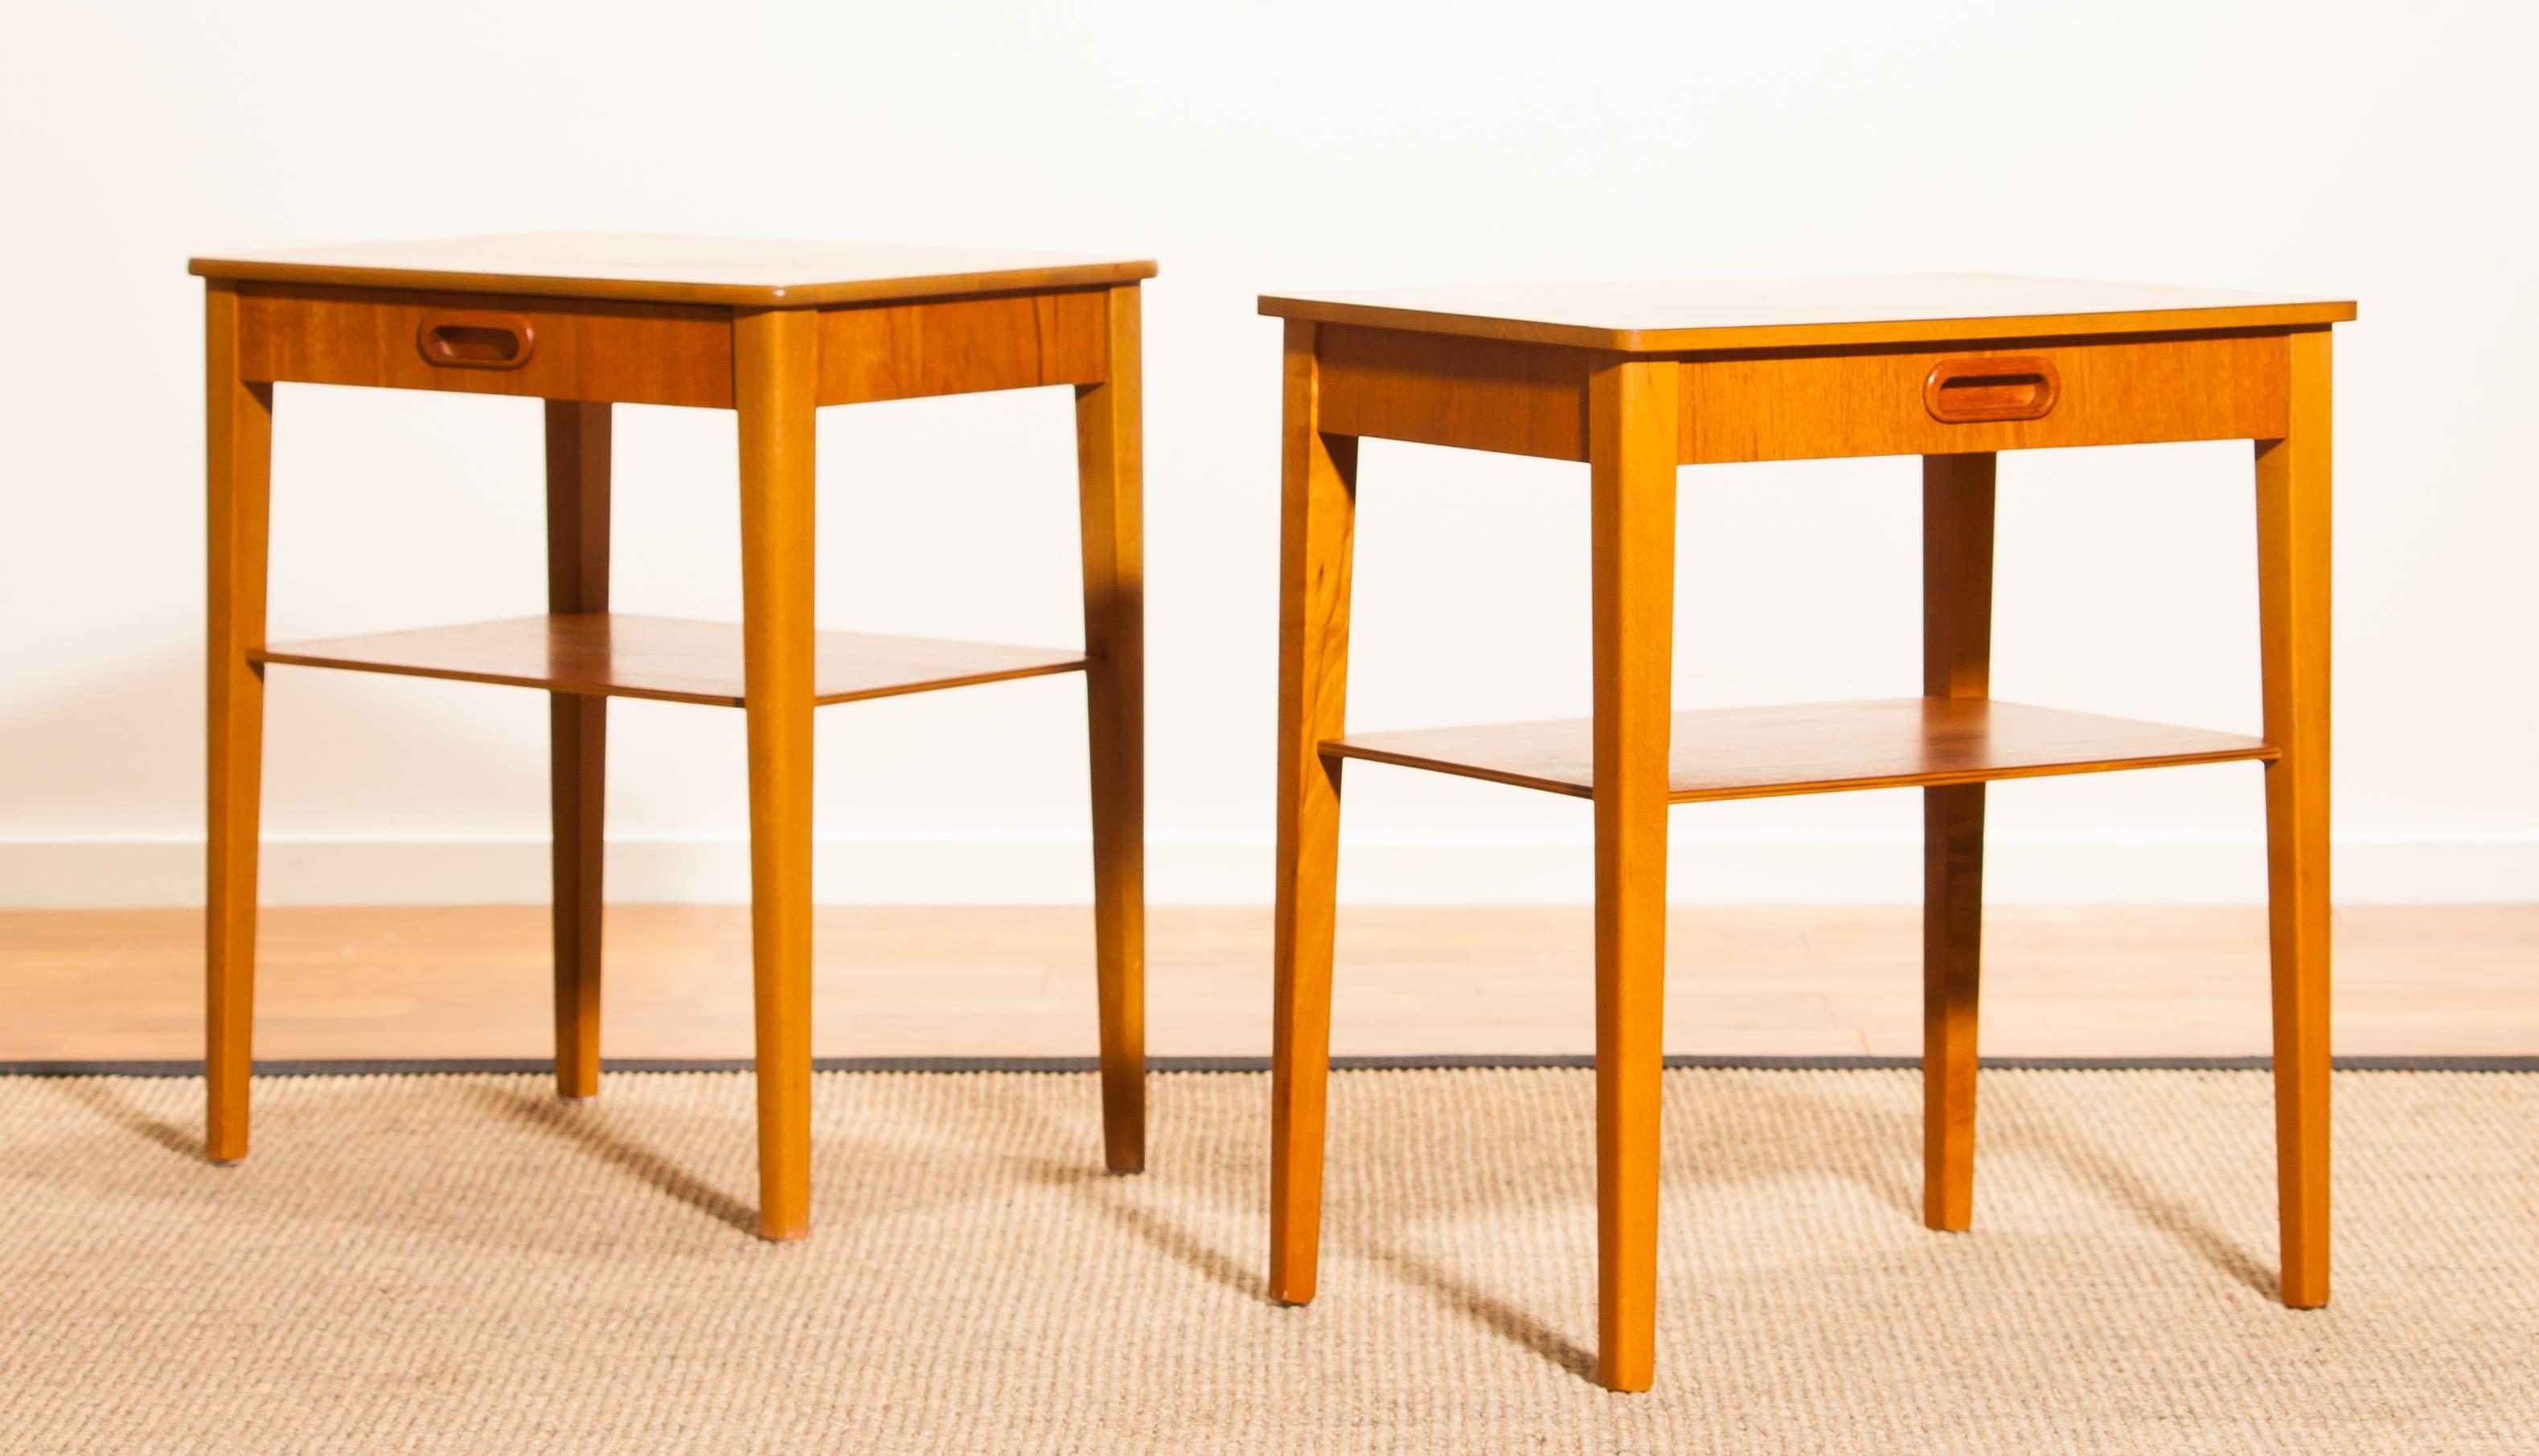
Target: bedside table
772,331
1638,380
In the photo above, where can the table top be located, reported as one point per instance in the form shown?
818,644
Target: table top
1786,313
668,269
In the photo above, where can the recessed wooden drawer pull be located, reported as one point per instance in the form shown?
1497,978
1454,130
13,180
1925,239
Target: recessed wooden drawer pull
1961,392
476,340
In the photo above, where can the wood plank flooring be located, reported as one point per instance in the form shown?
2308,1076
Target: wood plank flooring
472,981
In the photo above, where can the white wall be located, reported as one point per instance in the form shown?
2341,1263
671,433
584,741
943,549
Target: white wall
2375,152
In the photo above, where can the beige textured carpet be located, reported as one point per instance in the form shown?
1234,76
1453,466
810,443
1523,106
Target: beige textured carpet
460,1263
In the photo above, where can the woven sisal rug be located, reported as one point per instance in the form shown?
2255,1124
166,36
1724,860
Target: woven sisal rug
461,1264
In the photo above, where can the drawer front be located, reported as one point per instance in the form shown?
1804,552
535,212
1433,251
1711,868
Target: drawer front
2018,395
487,344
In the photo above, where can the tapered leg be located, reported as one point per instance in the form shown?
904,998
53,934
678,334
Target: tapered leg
1957,663
1953,843
2293,540
1321,498
238,420
577,445
774,369
1631,456
1109,473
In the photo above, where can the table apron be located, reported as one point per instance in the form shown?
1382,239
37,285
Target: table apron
632,352
1530,400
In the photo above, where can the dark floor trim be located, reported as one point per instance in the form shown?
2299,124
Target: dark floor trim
541,1066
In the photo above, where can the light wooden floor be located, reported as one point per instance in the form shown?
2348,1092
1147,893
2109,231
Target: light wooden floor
472,981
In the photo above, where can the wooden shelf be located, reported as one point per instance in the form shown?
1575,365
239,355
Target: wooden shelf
1816,747
612,654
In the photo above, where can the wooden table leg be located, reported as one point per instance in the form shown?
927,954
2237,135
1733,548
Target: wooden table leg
774,376
1957,663
239,416
2292,551
578,460
1110,474
1631,407
1315,537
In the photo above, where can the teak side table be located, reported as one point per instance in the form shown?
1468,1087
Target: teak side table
772,331
1638,380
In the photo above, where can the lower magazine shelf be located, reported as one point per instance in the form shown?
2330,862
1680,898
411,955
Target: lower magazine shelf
675,660
1816,747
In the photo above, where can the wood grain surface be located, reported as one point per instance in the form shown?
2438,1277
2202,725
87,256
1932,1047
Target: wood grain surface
1807,405
627,352
1957,499
1660,317
1466,392
1816,747
1784,404
956,346
2294,597
238,420
1632,408
1481,980
581,441
1111,482
1317,538
734,272
776,368
671,658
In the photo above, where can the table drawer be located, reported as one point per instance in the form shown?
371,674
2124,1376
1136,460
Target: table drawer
2017,395
487,344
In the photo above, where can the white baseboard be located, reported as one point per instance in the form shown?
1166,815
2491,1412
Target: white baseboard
68,873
